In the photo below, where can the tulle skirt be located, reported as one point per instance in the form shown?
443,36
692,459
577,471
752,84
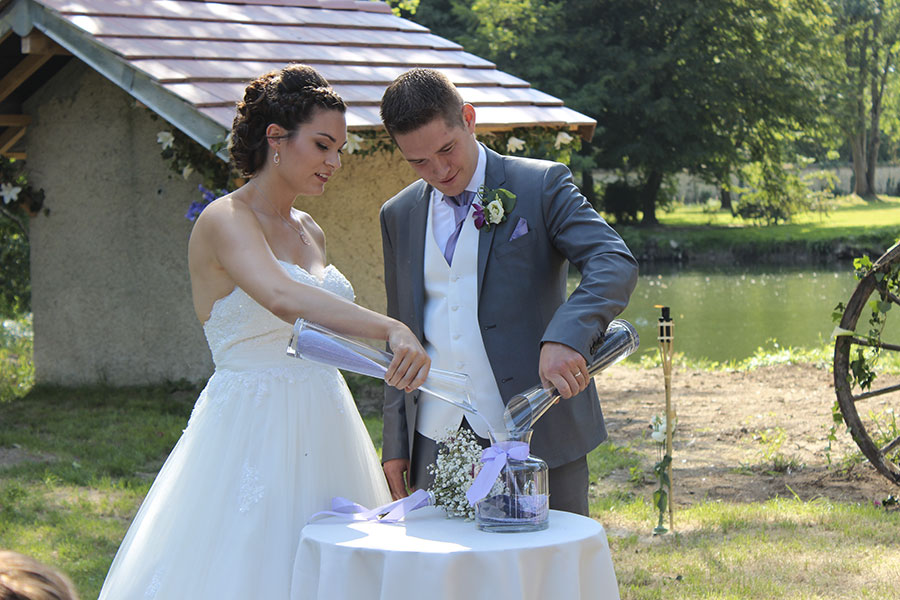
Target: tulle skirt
263,450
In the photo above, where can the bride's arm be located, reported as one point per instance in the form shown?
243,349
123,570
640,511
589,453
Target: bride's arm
233,238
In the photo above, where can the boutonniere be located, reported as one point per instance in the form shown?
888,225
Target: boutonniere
492,207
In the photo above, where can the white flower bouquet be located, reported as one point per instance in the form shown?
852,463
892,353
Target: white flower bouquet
458,462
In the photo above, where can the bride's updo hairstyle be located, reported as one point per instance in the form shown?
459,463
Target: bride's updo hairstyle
288,98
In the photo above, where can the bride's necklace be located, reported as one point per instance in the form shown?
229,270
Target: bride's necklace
303,237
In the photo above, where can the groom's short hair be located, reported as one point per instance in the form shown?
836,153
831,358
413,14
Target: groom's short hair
416,98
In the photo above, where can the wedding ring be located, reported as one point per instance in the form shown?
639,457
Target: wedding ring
577,374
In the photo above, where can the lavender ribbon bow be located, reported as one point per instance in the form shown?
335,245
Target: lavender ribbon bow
494,459
388,513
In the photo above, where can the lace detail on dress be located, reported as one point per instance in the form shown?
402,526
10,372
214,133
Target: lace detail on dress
251,490
153,587
240,331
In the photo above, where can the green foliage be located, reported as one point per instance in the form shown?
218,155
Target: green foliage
863,364
862,51
20,201
403,8
775,192
674,85
621,200
16,364
15,290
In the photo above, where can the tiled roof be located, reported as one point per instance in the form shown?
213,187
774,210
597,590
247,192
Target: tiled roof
201,54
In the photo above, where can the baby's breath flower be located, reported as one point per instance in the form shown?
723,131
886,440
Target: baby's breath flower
458,461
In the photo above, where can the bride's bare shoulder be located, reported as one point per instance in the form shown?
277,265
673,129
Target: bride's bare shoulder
225,213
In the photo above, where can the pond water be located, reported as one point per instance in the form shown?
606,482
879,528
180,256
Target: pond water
725,314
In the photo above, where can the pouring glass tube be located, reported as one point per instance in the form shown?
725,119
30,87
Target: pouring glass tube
313,342
524,409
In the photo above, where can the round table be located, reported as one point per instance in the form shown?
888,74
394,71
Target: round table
430,557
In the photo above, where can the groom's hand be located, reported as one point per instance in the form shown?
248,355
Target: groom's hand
395,471
563,368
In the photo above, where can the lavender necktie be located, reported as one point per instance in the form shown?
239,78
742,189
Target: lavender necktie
460,205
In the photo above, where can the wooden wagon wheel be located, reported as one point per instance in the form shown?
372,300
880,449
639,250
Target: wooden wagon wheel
883,457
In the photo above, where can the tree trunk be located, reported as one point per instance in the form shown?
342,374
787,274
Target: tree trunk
858,152
878,86
725,199
871,164
648,198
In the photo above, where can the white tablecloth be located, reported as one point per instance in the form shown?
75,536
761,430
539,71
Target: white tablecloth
431,557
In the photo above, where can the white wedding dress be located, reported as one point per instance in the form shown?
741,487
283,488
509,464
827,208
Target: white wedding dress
270,441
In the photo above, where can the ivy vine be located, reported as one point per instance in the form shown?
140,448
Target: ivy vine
20,199
887,283
186,157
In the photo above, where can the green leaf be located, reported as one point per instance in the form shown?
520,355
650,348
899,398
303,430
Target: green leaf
661,500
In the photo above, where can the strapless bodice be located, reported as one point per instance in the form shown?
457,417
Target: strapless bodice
243,335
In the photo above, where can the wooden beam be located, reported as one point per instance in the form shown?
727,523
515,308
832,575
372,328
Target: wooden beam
14,120
15,155
10,137
22,71
38,43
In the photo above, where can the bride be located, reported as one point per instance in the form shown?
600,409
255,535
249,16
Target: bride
271,438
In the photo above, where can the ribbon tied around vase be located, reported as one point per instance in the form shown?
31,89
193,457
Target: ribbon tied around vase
494,459
388,513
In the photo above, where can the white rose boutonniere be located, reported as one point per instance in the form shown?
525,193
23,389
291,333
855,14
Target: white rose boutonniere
493,207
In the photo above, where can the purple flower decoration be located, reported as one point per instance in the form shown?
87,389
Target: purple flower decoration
478,215
196,208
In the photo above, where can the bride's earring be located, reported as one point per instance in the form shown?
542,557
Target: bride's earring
276,159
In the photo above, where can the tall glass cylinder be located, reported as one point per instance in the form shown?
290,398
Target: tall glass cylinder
522,500
524,409
311,341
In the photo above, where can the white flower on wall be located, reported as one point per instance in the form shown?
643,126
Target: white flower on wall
354,142
562,138
186,171
165,139
9,192
514,144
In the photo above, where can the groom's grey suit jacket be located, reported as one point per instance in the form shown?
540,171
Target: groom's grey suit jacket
521,294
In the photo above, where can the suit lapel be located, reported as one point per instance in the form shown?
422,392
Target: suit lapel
418,222
494,177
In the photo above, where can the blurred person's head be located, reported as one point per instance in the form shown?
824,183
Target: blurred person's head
24,578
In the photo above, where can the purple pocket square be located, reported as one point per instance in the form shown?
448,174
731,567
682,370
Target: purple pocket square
520,230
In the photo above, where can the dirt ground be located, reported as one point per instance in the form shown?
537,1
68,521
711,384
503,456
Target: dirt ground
734,427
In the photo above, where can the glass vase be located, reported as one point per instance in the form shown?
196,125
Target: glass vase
522,500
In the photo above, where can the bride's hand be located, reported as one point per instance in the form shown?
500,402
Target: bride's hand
410,366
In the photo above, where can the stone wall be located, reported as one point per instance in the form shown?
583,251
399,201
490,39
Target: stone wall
348,213
110,288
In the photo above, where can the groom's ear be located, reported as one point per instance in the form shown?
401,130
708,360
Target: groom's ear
468,116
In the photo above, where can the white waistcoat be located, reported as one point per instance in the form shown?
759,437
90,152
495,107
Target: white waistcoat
453,335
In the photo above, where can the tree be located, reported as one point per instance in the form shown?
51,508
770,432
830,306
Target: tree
674,84
865,43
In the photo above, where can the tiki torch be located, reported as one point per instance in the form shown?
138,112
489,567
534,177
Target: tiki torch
665,338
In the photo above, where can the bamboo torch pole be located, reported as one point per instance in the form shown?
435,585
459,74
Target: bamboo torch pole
665,338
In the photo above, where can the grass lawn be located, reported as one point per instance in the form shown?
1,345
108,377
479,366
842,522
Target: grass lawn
75,464
699,230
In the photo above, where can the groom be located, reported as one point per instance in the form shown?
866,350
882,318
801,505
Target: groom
492,302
